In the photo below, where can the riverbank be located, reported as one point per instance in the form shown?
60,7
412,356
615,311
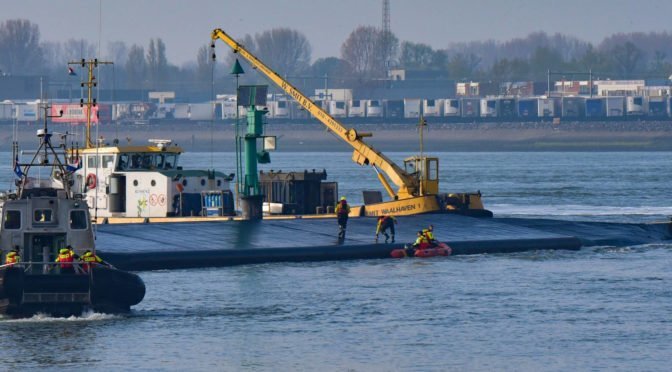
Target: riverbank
312,136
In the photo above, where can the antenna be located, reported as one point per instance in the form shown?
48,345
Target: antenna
387,32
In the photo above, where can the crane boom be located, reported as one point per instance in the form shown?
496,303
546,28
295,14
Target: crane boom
363,154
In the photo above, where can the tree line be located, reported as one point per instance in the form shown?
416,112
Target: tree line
365,55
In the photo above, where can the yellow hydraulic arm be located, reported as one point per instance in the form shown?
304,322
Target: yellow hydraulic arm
363,154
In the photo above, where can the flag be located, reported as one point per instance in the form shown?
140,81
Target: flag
17,168
74,167
71,71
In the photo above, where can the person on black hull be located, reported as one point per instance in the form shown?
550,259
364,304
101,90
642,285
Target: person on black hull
342,212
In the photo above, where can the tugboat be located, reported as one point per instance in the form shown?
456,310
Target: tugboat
41,219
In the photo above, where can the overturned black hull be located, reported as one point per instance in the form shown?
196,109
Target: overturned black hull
104,290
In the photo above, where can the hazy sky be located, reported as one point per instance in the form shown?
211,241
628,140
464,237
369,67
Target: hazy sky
184,26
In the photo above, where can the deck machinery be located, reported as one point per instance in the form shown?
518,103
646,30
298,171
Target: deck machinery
417,183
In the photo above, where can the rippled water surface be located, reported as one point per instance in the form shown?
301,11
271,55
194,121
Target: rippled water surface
601,308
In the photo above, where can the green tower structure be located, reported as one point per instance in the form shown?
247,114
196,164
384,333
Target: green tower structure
251,199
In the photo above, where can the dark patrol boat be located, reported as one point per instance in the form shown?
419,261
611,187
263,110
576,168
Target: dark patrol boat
39,219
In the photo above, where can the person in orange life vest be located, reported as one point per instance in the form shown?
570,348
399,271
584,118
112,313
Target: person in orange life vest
66,257
12,257
384,223
89,259
342,211
421,241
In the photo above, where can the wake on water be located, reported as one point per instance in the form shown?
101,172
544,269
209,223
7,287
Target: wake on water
87,316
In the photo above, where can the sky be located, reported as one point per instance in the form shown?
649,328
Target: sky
185,26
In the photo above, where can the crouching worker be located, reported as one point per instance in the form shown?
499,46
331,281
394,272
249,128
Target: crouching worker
90,259
421,241
384,223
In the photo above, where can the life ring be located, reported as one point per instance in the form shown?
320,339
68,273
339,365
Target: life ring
91,181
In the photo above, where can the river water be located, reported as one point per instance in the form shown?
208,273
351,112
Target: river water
598,308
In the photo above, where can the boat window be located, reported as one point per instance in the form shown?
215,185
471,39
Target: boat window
433,170
78,220
12,220
171,161
107,161
123,162
135,161
91,161
160,161
42,215
147,161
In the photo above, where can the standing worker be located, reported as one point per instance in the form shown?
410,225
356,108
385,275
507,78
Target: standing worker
342,211
66,258
384,223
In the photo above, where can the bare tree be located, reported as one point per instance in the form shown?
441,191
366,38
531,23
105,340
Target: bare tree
117,52
286,51
76,49
20,51
365,50
627,58
136,67
416,55
204,64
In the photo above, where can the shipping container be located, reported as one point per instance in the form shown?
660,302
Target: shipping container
297,111
451,107
75,113
394,108
374,109
278,109
615,106
6,111
635,105
200,111
470,107
573,107
357,108
595,107
228,109
657,106
507,108
338,109
27,112
489,107
527,108
431,107
412,108
545,107
181,111
669,106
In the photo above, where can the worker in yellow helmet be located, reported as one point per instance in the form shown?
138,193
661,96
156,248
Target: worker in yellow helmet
90,259
342,212
12,257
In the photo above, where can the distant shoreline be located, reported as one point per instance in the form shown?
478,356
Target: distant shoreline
313,137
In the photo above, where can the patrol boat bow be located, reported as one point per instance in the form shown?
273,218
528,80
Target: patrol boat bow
40,218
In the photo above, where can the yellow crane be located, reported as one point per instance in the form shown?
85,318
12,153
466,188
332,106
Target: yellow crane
417,183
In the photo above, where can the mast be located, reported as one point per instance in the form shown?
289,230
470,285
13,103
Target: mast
90,83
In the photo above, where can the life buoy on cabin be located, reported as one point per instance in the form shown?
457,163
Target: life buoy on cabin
91,181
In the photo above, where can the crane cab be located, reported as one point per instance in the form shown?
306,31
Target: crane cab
425,169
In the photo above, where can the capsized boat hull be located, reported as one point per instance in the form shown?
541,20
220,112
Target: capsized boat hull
105,290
